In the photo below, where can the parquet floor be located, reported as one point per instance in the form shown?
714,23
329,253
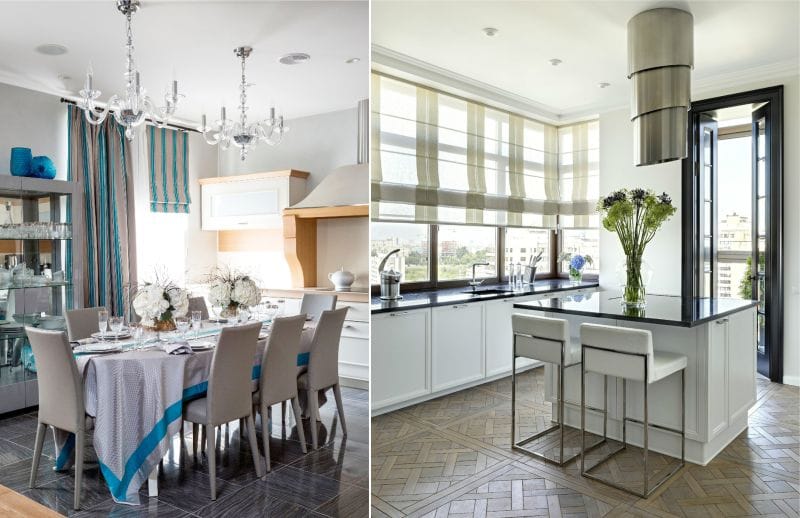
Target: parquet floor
451,457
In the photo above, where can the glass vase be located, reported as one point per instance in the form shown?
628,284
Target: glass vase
633,294
575,275
230,312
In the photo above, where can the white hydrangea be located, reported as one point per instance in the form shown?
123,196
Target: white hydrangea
180,302
152,301
245,292
220,293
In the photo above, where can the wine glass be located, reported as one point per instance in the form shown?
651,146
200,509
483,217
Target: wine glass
115,323
102,321
183,326
137,332
197,321
244,315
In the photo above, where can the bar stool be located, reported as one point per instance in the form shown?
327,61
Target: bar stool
547,340
628,354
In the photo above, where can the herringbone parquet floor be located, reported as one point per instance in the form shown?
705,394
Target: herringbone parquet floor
451,457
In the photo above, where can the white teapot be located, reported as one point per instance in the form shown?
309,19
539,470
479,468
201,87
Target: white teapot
342,279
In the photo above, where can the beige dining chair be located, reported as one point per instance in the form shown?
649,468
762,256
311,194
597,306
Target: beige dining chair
61,402
229,394
198,304
313,304
323,367
81,323
278,381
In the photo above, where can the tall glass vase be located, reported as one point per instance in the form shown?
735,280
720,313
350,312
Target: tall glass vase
634,293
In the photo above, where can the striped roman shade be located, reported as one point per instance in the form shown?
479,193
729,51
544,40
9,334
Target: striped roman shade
438,158
169,170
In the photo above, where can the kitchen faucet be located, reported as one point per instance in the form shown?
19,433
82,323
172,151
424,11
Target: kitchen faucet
473,282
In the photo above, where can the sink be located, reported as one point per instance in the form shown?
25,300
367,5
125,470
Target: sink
488,291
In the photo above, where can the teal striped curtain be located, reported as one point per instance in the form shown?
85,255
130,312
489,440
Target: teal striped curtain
100,161
169,170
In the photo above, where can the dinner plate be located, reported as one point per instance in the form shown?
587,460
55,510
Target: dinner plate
201,346
98,348
110,335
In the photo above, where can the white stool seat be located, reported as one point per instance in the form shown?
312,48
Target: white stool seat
665,364
540,338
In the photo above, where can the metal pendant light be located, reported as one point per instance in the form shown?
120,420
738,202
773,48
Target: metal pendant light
660,61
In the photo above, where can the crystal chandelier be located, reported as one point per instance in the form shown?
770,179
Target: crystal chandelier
134,106
241,134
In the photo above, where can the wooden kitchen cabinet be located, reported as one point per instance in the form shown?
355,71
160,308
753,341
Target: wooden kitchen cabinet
458,346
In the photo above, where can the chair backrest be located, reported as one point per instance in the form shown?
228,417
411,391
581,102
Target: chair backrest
617,351
323,362
313,304
541,338
60,384
81,323
198,304
278,380
230,381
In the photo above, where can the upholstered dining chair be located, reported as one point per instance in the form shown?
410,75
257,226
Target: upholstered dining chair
323,367
278,381
229,394
198,304
81,323
313,304
61,402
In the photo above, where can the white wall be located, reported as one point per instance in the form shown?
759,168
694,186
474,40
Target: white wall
202,254
664,252
34,120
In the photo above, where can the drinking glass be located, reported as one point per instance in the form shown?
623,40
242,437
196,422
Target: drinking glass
197,322
244,315
116,326
183,326
102,321
137,332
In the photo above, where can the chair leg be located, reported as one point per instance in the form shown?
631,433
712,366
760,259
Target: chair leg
283,413
265,437
80,439
195,433
313,410
203,431
212,459
251,435
41,431
299,422
583,411
337,392
561,410
644,442
241,428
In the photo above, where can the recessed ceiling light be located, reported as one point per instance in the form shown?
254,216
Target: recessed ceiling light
295,58
555,62
603,85
490,31
51,49
352,60
64,77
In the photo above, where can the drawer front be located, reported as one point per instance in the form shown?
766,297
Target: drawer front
357,311
353,329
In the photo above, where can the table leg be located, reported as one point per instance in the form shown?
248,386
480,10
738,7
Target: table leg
152,482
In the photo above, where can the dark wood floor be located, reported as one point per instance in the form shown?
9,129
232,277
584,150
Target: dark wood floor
332,481
451,457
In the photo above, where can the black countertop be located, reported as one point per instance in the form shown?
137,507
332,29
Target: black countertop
447,296
660,309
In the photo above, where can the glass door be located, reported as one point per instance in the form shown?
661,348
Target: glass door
760,164
707,171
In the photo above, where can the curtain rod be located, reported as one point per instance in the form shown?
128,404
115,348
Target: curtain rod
169,125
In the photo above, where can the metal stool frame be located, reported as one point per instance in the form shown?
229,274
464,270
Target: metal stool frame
682,432
518,445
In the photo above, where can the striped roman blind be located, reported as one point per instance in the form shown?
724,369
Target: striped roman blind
169,170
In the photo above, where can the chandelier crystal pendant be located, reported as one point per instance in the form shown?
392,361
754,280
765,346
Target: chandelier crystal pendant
134,106
241,134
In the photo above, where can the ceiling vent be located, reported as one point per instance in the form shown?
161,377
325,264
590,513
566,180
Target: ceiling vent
660,62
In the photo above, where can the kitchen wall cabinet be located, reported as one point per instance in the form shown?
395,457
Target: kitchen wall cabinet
401,349
458,352
252,201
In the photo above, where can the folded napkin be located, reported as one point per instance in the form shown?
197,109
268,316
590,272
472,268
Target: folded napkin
83,341
177,348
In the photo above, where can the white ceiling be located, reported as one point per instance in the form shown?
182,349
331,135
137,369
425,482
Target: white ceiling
443,39
196,40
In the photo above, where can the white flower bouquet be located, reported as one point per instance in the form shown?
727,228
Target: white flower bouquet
159,303
231,290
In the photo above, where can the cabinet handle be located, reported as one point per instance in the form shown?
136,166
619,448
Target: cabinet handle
398,314
458,306
722,321
242,223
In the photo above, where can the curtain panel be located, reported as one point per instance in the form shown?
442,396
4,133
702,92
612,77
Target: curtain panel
99,159
437,158
169,170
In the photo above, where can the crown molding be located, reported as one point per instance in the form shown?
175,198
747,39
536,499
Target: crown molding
708,86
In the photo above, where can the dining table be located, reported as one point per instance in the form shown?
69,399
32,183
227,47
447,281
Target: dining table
135,396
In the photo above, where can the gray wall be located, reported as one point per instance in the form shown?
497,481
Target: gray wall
35,120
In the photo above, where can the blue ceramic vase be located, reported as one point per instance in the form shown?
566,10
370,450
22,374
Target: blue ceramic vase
20,161
42,167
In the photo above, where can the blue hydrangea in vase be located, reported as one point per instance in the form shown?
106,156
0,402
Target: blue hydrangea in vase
576,264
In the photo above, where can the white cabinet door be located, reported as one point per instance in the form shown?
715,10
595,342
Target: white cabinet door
499,336
457,354
742,357
400,366
248,204
718,331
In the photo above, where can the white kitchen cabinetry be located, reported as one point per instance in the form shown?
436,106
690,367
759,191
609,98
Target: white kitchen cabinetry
252,201
458,347
401,351
499,336
354,346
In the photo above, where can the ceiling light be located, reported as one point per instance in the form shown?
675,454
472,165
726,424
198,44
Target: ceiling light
603,85
555,62
352,60
295,58
489,31
51,49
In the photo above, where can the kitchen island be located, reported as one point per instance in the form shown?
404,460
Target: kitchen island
718,336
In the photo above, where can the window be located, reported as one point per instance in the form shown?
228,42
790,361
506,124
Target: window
459,247
522,243
584,241
413,260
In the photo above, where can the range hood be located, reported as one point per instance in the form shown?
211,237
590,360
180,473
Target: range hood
344,186
660,61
